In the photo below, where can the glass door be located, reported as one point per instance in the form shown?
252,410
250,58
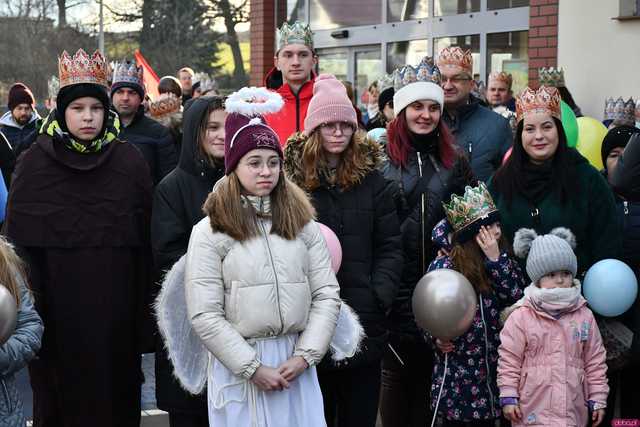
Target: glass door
368,69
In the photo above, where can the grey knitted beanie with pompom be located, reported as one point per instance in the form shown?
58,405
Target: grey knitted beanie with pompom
547,253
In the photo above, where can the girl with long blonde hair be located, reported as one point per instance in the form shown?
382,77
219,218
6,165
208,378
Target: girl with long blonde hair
23,343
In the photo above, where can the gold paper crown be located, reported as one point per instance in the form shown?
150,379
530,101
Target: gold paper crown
551,77
166,103
296,33
128,72
476,204
456,57
501,76
544,100
82,68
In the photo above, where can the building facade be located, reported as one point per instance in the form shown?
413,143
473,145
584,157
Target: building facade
359,40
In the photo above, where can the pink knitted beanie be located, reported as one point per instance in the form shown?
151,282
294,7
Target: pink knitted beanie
329,104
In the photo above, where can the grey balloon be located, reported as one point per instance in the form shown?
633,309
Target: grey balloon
444,303
8,314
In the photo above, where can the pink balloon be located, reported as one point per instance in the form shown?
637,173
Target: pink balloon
507,155
335,249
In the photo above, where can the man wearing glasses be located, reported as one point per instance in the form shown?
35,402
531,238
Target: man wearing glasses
484,135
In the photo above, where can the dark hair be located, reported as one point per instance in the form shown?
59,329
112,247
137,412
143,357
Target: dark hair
399,146
508,178
169,84
213,103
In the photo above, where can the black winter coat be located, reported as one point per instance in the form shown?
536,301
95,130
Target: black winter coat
416,223
177,206
155,142
363,217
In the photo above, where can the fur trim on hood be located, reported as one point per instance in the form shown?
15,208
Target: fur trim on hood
368,153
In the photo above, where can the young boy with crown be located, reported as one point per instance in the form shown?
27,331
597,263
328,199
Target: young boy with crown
79,212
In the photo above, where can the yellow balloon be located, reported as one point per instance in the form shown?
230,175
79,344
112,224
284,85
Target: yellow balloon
591,133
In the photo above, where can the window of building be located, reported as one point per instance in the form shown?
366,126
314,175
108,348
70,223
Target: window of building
470,42
455,7
368,67
406,10
509,52
506,4
407,52
334,61
629,9
329,14
296,11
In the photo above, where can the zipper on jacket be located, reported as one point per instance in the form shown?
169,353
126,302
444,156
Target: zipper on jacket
275,275
470,147
6,396
422,213
297,96
625,205
486,357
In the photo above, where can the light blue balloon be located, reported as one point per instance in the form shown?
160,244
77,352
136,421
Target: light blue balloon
610,287
376,134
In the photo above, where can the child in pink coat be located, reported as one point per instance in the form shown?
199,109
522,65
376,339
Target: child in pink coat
551,367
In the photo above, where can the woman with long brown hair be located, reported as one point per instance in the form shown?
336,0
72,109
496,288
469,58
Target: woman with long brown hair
177,207
260,292
337,165
426,168
476,248
24,342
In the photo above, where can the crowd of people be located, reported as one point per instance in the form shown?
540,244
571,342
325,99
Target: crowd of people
232,197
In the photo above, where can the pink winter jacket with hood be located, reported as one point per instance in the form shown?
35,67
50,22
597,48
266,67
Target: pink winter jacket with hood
553,366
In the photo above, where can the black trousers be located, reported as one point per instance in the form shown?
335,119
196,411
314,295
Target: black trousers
350,395
405,392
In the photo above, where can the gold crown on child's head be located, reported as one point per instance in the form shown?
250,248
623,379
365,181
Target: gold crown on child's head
82,68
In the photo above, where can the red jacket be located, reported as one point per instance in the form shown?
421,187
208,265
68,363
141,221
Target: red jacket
291,118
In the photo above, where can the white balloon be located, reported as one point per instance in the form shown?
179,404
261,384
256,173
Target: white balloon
8,314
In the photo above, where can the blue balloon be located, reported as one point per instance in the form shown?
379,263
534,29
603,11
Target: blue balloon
610,287
376,134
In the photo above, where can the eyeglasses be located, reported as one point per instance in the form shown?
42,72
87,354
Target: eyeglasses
257,165
343,127
454,79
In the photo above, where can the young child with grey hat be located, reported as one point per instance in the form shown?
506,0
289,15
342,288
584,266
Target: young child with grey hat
552,368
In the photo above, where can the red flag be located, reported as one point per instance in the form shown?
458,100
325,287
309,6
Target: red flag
150,77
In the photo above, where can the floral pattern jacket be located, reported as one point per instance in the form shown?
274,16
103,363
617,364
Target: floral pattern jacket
470,391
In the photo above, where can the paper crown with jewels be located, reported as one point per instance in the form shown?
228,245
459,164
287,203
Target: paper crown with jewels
455,57
82,68
166,103
501,76
127,72
386,81
53,86
621,112
204,82
551,77
296,33
544,100
468,213
426,71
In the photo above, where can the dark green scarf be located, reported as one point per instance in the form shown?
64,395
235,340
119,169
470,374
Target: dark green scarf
52,128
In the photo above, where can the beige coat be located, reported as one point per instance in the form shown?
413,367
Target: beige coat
264,287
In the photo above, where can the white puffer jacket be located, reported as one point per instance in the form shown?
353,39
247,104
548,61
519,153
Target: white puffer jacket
264,287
